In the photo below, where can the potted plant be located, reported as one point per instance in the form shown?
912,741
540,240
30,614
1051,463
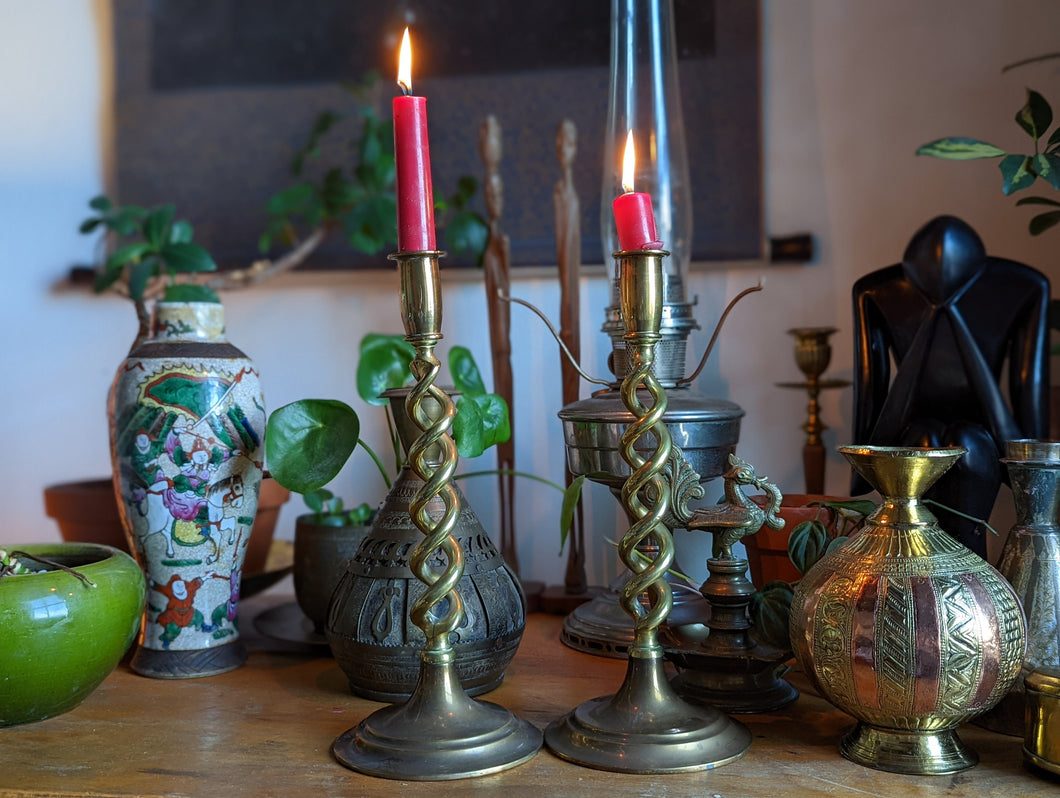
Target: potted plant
68,611
367,625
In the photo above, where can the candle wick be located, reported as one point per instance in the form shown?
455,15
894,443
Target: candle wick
405,90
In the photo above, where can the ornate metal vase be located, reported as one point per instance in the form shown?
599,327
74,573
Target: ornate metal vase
368,627
903,627
1030,561
187,424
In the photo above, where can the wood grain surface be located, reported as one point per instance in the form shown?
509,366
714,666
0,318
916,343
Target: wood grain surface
266,729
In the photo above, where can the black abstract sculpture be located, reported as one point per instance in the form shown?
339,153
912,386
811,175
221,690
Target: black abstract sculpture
952,318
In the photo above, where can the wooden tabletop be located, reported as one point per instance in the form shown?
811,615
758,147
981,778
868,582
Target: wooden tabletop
266,729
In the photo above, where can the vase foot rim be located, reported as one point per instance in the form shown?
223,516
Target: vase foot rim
933,753
188,664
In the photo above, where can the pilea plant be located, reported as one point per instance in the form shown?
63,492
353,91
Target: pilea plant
308,441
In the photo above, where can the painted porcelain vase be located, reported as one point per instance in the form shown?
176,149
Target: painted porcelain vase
187,425
903,627
368,626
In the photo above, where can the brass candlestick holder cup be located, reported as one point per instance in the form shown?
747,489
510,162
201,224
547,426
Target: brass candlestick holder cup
645,727
439,733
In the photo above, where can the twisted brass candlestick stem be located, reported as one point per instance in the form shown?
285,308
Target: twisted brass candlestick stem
439,733
645,727
649,575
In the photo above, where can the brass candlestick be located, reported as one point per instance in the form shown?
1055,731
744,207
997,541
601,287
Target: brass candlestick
439,733
812,355
645,727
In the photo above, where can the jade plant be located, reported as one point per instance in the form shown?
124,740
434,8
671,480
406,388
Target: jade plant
154,257
307,442
361,202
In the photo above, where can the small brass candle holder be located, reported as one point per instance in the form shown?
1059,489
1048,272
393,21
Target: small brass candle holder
440,733
645,727
813,353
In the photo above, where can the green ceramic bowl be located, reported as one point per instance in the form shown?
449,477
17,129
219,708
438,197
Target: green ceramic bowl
59,637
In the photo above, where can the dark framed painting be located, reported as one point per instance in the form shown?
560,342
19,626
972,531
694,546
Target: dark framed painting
214,98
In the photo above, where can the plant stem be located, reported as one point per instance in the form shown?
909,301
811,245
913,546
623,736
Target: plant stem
506,471
376,460
962,515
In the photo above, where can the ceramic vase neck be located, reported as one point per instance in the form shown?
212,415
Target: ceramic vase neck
203,322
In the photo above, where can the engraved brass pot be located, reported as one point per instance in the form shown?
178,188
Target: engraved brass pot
368,626
904,628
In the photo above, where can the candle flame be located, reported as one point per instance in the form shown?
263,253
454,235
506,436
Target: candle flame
629,162
404,78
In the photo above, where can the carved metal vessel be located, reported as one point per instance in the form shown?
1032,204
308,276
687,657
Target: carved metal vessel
369,629
723,663
1030,561
903,627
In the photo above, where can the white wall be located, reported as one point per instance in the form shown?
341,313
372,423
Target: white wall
851,89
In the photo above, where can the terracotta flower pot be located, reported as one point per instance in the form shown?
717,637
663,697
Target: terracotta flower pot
86,512
767,550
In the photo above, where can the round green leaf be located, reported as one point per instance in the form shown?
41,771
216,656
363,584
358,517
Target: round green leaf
466,376
183,258
190,292
468,428
384,364
307,442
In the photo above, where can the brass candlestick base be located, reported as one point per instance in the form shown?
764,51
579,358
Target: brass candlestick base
645,727
439,733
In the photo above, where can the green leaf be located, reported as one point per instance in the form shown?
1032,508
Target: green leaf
770,610
466,187
383,364
106,277
315,499
1047,166
1037,201
307,442
101,203
485,424
359,515
156,225
125,221
181,233
1035,116
139,274
835,543
466,232
807,544
1054,140
468,431
337,191
1017,172
190,292
466,377
959,148
88,225
861,506
571,496
187,258
1043,221
372,223
291,200
130,253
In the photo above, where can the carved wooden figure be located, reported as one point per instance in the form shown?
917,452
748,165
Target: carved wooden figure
952,318
496,263
568,255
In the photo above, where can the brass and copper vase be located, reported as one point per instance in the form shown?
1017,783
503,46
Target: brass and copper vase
369,629
1030,561
903,627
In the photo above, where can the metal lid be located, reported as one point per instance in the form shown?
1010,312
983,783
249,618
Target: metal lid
683,405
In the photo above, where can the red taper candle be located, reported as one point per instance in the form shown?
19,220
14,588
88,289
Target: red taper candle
634,218
412,162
